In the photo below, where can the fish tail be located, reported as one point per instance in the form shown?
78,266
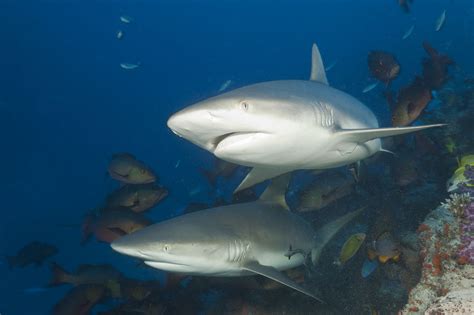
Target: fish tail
58,275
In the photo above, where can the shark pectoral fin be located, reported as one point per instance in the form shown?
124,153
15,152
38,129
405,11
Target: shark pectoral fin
318,73
277,276
258,175
364,135
275,192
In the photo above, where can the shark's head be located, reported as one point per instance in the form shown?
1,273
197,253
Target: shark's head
246,125
174,245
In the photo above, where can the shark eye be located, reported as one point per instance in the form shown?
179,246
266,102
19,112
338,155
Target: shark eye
166,248
244,105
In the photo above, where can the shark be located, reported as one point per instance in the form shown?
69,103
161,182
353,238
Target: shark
262,237
276,127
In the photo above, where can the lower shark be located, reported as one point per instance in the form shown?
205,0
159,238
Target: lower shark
261,237
279,126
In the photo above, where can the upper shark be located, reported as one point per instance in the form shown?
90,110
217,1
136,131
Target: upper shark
279,126
260,237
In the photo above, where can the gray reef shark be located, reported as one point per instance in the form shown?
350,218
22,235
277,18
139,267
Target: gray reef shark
260,237
280,126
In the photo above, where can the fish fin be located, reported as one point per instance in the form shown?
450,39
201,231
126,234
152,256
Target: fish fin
318,73
363,135
118,231
277,276
383,259
58,275
275,192
258,175
327,232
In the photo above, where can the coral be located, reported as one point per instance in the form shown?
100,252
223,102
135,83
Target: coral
456,203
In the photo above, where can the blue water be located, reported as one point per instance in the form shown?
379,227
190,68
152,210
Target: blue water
66,106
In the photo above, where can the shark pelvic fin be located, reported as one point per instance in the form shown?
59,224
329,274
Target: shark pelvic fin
275,192
317,68
364,135
328,231
277,276
258,175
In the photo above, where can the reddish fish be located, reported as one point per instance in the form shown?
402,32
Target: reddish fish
80,300
383,66
435,68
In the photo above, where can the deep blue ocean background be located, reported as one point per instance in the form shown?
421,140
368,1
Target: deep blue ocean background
66,105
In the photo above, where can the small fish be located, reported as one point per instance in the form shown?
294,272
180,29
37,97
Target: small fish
458,177
177,164
350,247
221,169
450,145
405,5
137,198
130,66
126,19
331,66
408,32
119,34
369,267
440,21
125,168
80,300
435,68
370,87
225,85
385,248
34,253
383,66
85,274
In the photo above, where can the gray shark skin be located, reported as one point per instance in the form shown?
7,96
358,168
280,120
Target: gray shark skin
279,126
261,237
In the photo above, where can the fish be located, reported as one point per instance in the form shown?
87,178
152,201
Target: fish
384,248
129,66
34,253
102,274
256,238
435,68
111,224
458,178
119,34
79,300
277,127
405,5
138,198
440,21
350,247
383,66
405,170
225,85
221,169
331,65
410,103
126,19
408,32
323,191
368,267
125,168
370,87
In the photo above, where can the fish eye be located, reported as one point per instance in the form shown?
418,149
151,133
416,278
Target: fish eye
244,105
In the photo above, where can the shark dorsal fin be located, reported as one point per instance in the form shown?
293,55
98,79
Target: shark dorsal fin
275,192
317,68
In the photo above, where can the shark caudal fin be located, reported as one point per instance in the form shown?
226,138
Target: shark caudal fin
258,175
328,231
318,73
364,135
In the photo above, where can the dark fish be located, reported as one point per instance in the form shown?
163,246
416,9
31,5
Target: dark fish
435,68
125,168
383,66
221,169
138,198
405,5
80,300
410,102
111,224
32,253
385,247
85,274
405,170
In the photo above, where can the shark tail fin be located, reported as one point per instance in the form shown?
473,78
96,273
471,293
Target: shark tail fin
328,231
364,135
275,192
318,73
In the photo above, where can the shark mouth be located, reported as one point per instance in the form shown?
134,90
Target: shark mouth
228,139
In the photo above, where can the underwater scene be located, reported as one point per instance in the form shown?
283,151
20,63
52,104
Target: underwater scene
237,157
